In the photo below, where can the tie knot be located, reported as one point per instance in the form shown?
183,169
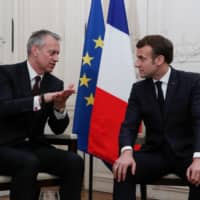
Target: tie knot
158,83
37,79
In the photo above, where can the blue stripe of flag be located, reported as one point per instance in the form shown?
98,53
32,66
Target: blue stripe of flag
117,17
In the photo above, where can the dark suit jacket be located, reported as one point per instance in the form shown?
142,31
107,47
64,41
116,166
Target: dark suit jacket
180,128
17,119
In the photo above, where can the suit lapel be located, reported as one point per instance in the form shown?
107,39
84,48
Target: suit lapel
151,89
24,79
151,93
45,84
171,90
25,83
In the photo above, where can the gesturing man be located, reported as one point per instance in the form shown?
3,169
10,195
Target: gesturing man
30,97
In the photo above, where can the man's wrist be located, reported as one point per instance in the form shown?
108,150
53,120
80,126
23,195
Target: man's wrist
126,148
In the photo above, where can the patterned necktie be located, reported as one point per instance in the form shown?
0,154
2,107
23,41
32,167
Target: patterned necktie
36,86
160,96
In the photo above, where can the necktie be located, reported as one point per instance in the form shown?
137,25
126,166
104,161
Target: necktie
36,86
160,96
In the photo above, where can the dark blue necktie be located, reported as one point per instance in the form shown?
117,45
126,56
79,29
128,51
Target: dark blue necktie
160,96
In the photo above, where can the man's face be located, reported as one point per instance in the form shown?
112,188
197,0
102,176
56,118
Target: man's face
146,65
47,55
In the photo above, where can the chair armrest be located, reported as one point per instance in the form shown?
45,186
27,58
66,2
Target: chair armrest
64,139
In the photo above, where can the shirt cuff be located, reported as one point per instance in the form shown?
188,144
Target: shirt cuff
126,148
60,115
196,155
36,103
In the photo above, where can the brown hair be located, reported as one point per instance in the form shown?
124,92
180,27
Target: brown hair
160,46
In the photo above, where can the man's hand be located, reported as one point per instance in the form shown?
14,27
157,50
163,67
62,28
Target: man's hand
59,98
193,172
121,165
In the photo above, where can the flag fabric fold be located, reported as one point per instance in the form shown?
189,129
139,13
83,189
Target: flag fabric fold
88,74
115,78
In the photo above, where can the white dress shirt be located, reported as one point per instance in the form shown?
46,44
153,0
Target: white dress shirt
36,99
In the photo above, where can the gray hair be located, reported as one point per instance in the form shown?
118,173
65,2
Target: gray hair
37,39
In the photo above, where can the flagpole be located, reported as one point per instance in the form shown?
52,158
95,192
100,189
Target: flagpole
90,177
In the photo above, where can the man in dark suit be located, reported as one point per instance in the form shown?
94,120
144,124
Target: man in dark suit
30,96
170,110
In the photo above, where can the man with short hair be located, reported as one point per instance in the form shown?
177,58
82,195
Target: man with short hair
30,97
168,102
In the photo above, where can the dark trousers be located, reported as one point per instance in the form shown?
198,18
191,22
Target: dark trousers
150,166
24,161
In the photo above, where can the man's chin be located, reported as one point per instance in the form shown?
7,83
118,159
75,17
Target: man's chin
50,69
142,75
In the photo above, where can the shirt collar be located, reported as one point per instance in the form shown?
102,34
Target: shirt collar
165,78
32,72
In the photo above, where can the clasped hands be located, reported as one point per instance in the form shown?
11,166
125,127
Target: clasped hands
59,98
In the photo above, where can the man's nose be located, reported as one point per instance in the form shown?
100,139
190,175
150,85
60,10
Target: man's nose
137,64
56,57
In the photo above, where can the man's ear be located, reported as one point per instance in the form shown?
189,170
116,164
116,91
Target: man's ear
34,50
159,60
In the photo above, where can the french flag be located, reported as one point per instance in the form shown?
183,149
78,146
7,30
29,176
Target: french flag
115,79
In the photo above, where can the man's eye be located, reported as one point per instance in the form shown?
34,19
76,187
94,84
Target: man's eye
53,53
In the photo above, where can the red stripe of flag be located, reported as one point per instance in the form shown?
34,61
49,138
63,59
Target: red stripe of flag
107,115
